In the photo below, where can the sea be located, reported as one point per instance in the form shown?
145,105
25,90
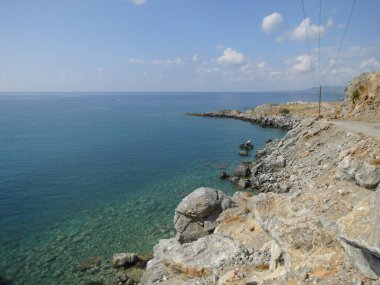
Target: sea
87,175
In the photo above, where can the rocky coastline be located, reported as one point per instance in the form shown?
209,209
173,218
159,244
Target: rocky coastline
284,121
316,219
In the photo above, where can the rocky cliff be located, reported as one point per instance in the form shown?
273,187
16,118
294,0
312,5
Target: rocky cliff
316,219
363,97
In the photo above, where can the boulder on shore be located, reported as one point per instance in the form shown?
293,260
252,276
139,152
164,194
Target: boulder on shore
196,214
124,259
242,170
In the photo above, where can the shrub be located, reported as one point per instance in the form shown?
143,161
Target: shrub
284,111
355,94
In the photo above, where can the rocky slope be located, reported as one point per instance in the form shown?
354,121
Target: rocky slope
315,221
363,97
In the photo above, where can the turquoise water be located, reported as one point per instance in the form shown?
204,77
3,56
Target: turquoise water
84,175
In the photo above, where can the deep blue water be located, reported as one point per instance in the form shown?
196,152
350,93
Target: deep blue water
85,175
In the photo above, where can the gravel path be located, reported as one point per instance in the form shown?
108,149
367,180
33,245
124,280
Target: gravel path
369,129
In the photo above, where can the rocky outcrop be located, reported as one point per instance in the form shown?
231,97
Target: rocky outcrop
197,213
359,233
363,97
272,121
361,172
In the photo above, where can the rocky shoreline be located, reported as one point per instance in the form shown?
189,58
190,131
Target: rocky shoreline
284,121
315,221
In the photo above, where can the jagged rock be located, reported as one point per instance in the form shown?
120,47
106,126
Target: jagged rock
243,183
242,170
177,262
297,233
196,214
359,233
124,259
368,175
361,172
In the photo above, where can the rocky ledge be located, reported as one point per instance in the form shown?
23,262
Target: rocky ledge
281,121
316,219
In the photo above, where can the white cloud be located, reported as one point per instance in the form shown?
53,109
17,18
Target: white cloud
272,22
299,64
136,60
342,70
231,56
157,61
138,2
169,62
207,70
330,23
195,57
370,63
299,33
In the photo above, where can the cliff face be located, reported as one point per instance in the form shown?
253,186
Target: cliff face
316,219
363,97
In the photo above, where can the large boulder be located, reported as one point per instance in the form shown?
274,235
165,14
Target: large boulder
363,173
196,214
359,233
177,263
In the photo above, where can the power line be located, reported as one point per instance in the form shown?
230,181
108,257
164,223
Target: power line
307,36
345,30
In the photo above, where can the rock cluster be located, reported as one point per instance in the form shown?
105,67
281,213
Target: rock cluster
272,121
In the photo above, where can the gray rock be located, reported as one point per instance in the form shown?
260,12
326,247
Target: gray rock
359,234
223,175
368,175
243,153
242,170
202,257
124,259
363,173
347,168
243,183
122,277
196,214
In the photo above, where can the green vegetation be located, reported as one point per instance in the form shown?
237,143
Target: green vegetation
284,111
355,94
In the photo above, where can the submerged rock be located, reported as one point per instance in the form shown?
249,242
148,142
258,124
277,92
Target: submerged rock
242,170
124,259
243,153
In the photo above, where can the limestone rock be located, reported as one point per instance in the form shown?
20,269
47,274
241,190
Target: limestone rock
363,173
242,170
359,233
123,259
196,214
178,263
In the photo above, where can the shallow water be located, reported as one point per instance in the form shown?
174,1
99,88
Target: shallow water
84,175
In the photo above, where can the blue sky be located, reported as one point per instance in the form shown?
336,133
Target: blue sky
182,45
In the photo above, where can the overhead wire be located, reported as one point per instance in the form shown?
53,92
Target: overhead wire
345,31
307,36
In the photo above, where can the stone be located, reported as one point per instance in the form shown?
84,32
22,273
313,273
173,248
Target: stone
243,153
242,170
368,175
124,259
243,183
363,173
122,277
200,258
359,234
347,168
223,175
196,215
